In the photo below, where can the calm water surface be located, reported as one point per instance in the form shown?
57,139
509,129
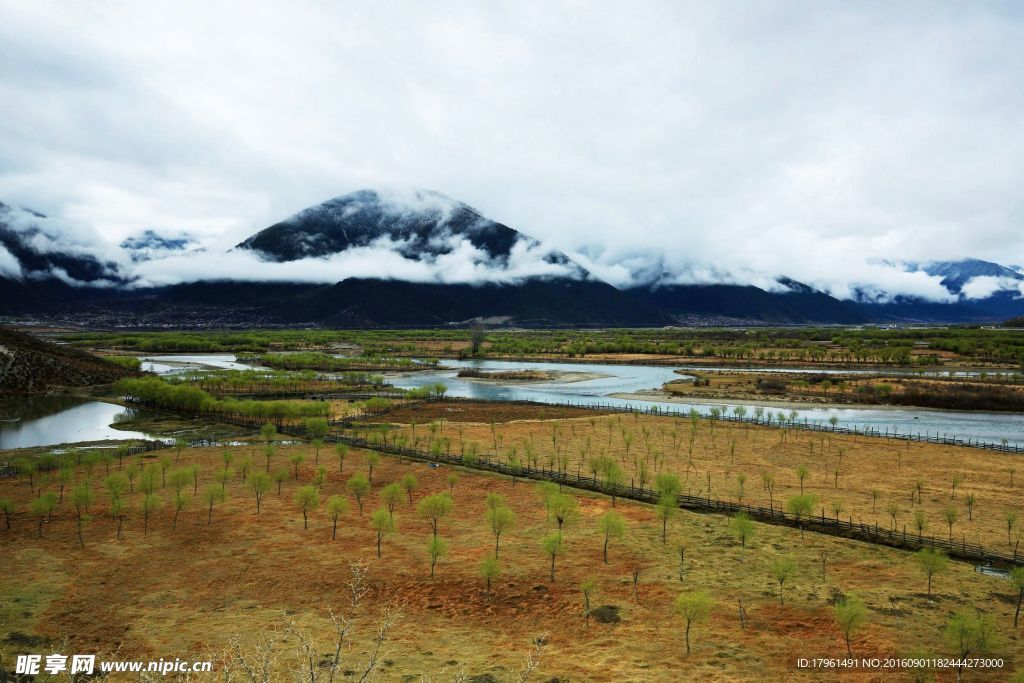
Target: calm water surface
51,420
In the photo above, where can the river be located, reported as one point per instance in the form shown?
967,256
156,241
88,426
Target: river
51,420
89,421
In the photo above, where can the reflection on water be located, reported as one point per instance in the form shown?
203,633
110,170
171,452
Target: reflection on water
49,420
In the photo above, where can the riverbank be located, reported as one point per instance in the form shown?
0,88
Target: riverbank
978,393
529,376
665,397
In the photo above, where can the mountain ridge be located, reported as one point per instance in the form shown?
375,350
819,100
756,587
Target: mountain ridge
442,235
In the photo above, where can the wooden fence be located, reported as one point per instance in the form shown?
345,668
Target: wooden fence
770,515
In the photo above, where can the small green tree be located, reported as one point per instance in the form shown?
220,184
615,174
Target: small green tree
341,450
920,523
850,614
433,508
280,476
782,570
552,545
951,515
668,484
41,508
666,508
372,460
268,431
116,485
118,510
436,547
409,484
336,507
390,496
179,445
1017,581
307,499
28,469
245,466
150,504
132,473
149,480
7,507
612,525
932,562
499,519
1011,523
226,475
317,428
802,473
693,607
588,587
971,633
296,461
358,485
452,480
81,499
180,478
65,478
489,571
212,494
383,524
181,500
802,507
743,529
260,484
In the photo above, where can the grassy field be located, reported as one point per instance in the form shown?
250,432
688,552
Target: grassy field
711,456
194,589
830,346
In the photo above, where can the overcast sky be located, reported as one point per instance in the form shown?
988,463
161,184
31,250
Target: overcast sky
724,139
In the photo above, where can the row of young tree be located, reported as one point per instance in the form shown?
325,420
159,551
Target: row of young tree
633,452
975,632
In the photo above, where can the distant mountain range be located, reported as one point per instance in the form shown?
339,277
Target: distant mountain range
440,263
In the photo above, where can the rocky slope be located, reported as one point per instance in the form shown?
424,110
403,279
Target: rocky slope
29,365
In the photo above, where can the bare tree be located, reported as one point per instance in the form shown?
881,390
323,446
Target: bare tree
588,587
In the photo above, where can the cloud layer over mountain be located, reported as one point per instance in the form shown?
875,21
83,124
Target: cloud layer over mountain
664,141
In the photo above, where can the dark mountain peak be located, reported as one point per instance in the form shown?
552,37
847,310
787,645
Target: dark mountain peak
796,287
955,274
416,223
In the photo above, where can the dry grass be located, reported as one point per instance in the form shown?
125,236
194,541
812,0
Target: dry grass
186,592
724,451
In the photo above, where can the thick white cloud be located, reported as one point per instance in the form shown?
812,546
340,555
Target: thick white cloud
9,266
464,263
984,286
732,140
